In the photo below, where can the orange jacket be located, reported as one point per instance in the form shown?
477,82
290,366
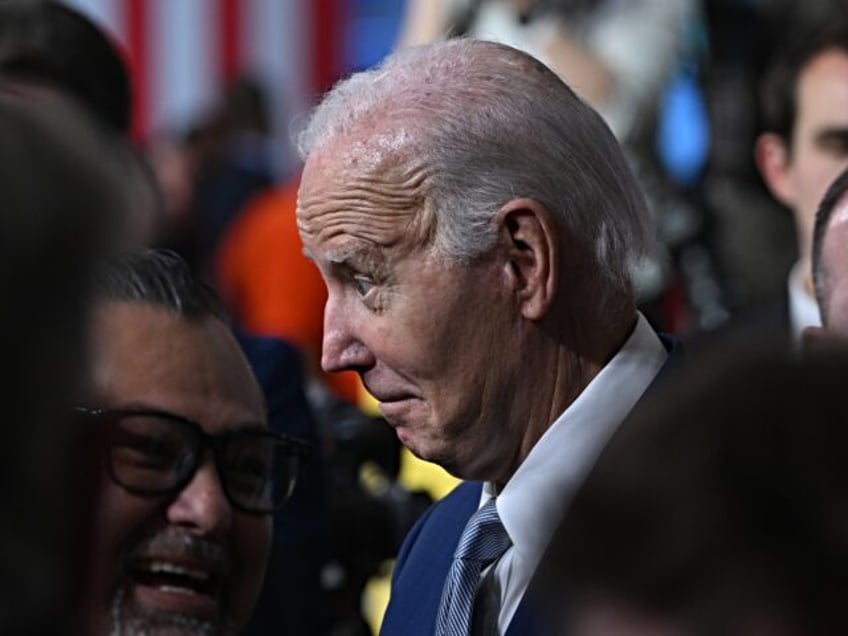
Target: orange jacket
270,287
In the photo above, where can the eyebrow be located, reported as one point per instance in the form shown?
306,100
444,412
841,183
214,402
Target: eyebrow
829,135
343,256
142,407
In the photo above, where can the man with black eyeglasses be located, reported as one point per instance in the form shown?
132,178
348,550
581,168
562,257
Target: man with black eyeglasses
181,523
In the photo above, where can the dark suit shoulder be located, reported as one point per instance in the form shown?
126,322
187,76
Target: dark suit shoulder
424,561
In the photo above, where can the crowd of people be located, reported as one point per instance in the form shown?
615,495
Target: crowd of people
217,378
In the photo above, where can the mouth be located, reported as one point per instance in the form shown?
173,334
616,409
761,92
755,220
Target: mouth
390,400
177,586
397,410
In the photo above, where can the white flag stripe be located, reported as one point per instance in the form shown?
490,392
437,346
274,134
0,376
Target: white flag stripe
183,73
182,57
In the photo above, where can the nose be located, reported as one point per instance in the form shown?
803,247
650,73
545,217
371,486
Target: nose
342,349
202,505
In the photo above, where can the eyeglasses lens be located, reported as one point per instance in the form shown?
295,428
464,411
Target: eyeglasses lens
259,472
150,453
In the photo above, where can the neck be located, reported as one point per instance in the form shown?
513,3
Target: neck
563,372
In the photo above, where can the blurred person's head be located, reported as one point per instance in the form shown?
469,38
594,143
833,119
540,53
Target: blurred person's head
63,200
804,103
46,42
719,507
474,222
189,473
46,46
245,107
830,260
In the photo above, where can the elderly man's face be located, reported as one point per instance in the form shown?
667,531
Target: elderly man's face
835,262
186,562
434,343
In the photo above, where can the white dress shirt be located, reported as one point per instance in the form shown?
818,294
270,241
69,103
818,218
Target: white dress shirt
533,502
803,308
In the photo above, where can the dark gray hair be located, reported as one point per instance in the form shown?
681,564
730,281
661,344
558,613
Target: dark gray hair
491,124
160,278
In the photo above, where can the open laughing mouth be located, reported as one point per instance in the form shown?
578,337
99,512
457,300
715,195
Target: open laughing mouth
175,586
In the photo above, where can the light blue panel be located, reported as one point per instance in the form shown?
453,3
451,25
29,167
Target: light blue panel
683,139
184,61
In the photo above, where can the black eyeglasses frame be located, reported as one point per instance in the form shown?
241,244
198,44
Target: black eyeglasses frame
206,441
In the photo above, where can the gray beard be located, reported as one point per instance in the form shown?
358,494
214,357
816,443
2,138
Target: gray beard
135,622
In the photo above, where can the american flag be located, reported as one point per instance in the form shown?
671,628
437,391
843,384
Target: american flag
182,52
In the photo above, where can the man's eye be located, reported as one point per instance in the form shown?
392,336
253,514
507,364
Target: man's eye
836,144
363,284
145,451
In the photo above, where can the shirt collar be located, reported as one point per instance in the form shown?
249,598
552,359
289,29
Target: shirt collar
803,309
534,500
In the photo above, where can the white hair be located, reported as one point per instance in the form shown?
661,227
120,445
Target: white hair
491,124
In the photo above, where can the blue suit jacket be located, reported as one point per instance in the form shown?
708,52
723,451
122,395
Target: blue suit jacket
427,553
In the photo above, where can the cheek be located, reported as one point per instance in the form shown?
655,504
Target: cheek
119,515
118,520
404,338
816,170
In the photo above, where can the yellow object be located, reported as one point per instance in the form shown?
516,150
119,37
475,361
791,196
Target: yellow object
415,474
368,403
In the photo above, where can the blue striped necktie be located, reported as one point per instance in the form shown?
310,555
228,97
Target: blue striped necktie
482,542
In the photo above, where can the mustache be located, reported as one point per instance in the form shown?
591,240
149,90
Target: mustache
182,544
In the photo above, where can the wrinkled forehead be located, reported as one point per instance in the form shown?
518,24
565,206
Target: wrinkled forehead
369,185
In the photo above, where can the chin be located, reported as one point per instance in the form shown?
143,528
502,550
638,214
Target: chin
130,619
435,454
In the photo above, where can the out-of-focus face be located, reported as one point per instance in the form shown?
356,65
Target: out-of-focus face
188,562
618,619
819,145
835,263
435,343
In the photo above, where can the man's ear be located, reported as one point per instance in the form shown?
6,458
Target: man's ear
529,234
772,157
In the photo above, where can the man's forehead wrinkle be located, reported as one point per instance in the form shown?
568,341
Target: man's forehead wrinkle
376,228
365,202
377,196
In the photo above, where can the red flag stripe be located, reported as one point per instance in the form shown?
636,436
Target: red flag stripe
230,46
327,43
136,38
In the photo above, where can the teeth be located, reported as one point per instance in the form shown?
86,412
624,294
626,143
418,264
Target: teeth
176,590
163,567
